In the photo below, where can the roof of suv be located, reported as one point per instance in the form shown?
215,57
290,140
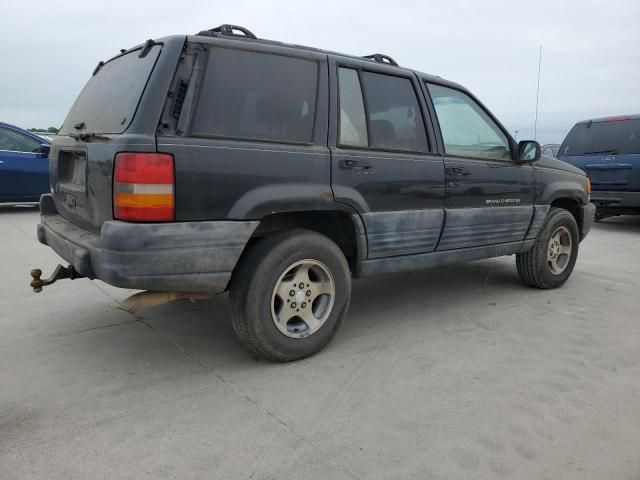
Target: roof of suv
616,118
206,36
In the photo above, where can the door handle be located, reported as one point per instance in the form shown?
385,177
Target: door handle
355,164
457,171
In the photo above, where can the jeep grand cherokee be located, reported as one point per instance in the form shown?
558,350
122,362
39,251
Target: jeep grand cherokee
218,161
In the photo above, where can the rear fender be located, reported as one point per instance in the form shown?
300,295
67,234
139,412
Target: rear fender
286,197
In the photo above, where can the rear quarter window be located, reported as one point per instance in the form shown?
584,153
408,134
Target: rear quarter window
257,96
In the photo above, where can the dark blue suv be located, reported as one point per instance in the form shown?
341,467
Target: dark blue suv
608,150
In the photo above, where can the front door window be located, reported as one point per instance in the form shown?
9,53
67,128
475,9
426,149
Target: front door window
467,130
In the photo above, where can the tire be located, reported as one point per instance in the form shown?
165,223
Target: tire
535,266
261,298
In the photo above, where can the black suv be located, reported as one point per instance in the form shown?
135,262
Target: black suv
220,161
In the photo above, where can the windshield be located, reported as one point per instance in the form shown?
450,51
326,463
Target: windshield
109,100
614,137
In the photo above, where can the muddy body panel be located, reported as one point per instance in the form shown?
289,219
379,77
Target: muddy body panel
263,136
190,256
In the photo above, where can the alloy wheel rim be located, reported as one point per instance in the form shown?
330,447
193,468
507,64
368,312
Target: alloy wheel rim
303,298
559,250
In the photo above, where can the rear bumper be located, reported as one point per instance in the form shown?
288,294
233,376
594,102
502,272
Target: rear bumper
191,256
586,217
615,199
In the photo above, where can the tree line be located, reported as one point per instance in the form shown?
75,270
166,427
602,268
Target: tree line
48,130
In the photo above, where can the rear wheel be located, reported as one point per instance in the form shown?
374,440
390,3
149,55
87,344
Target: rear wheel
550,261
289,294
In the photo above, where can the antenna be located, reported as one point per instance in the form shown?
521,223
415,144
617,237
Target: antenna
535,123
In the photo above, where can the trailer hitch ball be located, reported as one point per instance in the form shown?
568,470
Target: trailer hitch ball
36,283
59,273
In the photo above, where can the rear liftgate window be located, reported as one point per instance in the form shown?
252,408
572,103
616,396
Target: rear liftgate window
110,98
257,96
617,137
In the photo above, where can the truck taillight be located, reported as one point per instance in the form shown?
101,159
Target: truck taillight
143,187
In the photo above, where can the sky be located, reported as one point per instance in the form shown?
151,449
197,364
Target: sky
590,49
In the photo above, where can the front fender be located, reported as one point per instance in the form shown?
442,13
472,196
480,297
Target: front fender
555,185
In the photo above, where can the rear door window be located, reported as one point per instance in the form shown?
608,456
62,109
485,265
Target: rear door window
257,96
392,119
394,115
617,137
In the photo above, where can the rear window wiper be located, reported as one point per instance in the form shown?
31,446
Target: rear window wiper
613,152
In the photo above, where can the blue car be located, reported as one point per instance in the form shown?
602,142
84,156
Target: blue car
24,165
608,150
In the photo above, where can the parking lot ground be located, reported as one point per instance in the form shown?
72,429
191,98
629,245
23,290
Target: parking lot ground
458,372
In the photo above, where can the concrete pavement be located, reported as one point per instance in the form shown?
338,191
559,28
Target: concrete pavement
458,372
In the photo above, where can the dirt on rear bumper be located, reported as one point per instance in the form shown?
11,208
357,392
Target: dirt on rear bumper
189,256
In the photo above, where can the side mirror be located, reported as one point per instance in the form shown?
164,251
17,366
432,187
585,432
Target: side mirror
529,151
43,150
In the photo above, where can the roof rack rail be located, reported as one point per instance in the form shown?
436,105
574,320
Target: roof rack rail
229,30
381,58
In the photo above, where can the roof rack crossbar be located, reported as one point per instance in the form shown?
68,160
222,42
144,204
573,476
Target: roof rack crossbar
230,30
381,58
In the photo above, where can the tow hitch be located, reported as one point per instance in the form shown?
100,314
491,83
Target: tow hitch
59,273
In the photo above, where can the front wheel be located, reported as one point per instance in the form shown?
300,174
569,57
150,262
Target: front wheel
289,294
550,261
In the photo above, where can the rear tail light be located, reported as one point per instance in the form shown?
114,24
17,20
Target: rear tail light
143,187
588,189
